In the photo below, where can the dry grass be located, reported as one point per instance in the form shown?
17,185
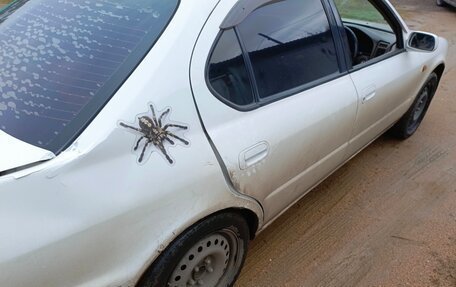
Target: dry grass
359,10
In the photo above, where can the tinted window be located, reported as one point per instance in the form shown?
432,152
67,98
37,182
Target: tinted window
227,71
61,61
290,44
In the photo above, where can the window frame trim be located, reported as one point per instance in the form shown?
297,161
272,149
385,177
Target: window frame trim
241,10
248,67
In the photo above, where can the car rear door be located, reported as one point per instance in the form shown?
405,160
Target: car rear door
273,98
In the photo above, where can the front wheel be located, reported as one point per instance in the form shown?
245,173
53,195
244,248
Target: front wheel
412,119
209,254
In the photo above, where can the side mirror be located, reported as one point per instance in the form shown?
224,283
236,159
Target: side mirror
422,41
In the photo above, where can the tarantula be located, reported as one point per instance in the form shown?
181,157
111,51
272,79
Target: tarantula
154,132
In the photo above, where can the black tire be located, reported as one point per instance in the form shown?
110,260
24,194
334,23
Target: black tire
440,3
187,257
412,119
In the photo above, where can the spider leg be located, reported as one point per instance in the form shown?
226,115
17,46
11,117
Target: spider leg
163,150
169,140
137,144
162,116
154,117
141,157
174,126
178,138
129,127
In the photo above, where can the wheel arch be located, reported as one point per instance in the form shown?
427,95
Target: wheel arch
439,70
249,215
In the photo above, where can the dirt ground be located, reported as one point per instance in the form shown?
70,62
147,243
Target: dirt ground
388,217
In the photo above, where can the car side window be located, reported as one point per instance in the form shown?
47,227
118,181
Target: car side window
228,74
369,34
289,44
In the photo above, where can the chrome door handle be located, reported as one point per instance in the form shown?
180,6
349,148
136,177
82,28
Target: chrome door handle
253,155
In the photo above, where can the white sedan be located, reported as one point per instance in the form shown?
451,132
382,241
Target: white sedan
144,143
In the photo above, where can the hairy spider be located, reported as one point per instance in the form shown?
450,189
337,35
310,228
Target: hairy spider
155,133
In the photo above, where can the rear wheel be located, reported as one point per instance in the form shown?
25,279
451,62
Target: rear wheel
210,254
410,122
440,3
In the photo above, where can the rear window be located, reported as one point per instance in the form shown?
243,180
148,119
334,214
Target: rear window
62,60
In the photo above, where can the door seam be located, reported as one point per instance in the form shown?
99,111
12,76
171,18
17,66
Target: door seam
222,165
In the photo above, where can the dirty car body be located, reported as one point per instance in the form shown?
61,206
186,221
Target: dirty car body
130,129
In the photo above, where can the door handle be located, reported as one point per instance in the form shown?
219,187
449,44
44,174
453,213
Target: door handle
253,155
369,93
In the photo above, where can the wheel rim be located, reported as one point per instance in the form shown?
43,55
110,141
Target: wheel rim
420,107
210,262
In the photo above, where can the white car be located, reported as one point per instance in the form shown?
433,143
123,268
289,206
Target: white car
144,143
446,2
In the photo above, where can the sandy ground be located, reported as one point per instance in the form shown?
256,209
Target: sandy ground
388,217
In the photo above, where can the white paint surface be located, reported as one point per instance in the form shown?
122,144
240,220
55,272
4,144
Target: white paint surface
15,153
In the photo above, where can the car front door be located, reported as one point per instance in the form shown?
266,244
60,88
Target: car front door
386,77
273,98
